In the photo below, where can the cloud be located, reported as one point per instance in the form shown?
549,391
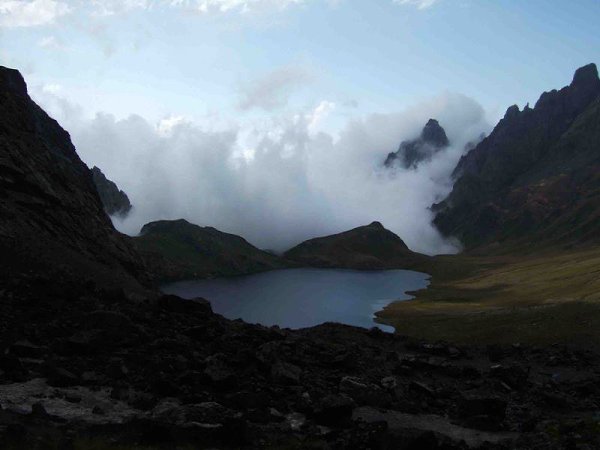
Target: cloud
105,8
320,113
278,183
242,6
30,13
272,90
420,4
52,88
51,43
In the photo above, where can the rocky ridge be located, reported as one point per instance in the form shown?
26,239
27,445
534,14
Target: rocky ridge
535,178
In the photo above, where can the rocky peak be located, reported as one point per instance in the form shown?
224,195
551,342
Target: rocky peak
512,112
411,153
586,76
114,200
376,224
434,134
11,80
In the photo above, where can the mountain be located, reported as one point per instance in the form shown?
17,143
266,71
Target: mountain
51,217
84,365
115,201
536,177
177,249
363,248
432,139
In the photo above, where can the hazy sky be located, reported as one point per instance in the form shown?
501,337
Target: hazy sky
242,100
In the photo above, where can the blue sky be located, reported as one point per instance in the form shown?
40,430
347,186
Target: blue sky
272,118
168,57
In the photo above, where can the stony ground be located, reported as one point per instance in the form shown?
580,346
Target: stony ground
86,368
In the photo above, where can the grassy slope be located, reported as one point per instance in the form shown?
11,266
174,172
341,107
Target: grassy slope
549,297
176,250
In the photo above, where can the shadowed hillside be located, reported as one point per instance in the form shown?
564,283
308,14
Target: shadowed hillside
535,178
51,217
177,250
364,248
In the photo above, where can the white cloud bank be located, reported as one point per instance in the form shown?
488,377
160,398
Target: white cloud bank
283,181
25,13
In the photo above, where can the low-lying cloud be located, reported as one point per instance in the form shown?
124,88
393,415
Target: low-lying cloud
282,182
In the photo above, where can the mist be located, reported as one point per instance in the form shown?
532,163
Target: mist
280,181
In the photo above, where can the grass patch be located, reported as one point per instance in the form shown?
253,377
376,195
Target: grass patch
550,297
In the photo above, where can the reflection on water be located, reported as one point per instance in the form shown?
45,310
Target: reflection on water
298,298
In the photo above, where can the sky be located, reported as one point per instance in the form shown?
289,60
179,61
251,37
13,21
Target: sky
270,118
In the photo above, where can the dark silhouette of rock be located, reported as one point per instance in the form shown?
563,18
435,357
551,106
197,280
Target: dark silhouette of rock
51,218
115,201
367,247
432,139
534,178
177,249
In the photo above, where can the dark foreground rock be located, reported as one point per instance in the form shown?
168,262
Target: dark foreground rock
162,372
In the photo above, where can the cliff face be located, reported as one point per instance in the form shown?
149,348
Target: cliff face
51,217
367,247
536,176
114,200
432,139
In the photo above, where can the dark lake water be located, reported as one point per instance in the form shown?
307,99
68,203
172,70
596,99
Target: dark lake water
298,298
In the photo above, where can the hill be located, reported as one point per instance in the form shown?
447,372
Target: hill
364,248
177,249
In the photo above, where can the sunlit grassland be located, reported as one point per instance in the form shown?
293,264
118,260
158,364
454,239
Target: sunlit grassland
550,296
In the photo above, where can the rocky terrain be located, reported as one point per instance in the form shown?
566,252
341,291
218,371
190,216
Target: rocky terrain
364,248
90,359
115,201
535,178
432,140
85,368
177,250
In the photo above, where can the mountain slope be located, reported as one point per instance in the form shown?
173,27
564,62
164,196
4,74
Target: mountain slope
432,139
114,200
364,248
178,250
536,176
51,217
